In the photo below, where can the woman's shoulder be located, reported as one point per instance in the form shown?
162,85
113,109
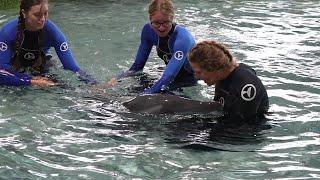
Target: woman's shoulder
9,30
246,68
182,29
244,74
10,27
183,34
50,24
147,28
148,33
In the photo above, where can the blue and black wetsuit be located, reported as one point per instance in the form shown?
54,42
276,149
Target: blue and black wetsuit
173,50
29,52
243,95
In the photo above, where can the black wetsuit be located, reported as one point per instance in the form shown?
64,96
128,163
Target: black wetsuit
243,95
30,52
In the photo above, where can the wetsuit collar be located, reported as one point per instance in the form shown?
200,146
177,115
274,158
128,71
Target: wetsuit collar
172,29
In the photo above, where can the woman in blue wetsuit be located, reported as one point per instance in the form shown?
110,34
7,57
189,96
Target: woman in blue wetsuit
173,42
24,42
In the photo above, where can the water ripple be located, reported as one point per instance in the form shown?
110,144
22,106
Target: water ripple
79,133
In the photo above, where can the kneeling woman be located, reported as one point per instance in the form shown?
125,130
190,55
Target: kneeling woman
173,42
237,87
25,41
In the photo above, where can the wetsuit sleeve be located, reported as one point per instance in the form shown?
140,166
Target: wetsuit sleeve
59,42
6,50
65,54
143,51
180,51
11,78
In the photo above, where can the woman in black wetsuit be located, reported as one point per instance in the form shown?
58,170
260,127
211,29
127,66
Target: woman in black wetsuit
237,86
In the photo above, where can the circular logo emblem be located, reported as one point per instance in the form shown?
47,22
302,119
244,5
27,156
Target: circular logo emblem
179,55
64,46
29,56
166,58
221,100
248,92
3,46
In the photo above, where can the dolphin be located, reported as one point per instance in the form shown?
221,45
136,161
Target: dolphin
169,104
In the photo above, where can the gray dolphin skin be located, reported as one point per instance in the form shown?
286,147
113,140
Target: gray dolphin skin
169,104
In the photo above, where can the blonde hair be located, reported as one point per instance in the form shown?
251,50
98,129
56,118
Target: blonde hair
164,6
211,56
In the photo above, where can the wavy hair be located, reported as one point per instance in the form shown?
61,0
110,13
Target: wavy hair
211,56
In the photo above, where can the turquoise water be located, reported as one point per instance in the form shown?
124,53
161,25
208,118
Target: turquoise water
77,132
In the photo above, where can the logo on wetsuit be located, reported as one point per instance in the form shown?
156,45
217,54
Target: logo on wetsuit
248,92
179,55
166,58
221,101
29,56
64,46
3,46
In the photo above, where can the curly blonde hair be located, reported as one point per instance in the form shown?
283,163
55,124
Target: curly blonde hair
211,56
165,6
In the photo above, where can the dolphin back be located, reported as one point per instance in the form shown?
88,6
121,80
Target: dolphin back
169,104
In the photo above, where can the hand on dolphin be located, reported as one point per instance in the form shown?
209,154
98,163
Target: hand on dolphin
42,81
108,84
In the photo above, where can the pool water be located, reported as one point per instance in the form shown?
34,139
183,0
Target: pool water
79,132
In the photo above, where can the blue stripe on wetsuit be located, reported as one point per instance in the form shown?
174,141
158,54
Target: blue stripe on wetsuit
181,43
53,38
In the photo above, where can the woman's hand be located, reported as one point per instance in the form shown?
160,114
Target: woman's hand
112,82
42,82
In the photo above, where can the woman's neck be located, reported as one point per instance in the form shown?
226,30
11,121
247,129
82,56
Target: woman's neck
230,69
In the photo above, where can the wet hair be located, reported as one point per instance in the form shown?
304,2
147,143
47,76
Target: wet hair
26,5
165,6
211,56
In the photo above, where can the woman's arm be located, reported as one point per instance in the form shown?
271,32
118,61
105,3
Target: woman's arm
144,49
140,60
181,48
11,78
59,42
6,46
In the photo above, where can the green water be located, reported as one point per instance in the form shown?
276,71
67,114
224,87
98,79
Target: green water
9,4
80,133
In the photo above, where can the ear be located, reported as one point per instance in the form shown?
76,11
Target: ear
172,18
23,13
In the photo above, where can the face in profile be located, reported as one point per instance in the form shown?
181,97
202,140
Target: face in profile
161,23
209,77
36,16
